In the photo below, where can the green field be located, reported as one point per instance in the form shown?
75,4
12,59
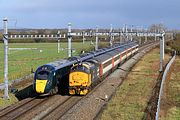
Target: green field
22,61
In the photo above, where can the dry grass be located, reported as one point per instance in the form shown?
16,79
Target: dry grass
131,98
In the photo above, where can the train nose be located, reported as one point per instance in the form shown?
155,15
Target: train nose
40,86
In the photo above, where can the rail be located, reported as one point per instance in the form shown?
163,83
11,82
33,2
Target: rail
162,84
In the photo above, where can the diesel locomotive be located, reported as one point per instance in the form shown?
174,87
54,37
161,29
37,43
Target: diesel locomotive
84,75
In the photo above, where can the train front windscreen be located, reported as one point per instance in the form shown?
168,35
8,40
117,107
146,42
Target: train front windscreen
42,78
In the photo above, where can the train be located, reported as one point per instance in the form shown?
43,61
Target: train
77,75
47,77
83,76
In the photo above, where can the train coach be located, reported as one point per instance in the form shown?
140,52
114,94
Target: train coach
83,76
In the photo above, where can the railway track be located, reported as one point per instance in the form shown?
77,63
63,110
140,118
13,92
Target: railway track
30,108
37,109
19,104
62,108
15,111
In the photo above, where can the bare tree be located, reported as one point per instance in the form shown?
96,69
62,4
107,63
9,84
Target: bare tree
41,31
157,28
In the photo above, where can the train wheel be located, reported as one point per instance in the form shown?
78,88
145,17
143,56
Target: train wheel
78,90
83,92
72,92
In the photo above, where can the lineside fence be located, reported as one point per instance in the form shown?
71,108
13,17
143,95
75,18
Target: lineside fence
162,84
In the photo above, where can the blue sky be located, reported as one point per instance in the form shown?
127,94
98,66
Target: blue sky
89,13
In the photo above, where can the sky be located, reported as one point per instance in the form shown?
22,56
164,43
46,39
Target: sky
90,13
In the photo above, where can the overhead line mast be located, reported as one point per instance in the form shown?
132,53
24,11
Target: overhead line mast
5,39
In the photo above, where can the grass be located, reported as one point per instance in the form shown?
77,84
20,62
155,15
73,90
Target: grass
21,62
132,97
5,103
171,107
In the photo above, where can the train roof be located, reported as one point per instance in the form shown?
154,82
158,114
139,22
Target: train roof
114,52
103,57
108,55
57,63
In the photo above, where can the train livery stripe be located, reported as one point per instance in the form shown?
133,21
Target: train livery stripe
116,55
113,62
120,58
106,69
101,69
106,60
116,62
127,52
123,57
86,66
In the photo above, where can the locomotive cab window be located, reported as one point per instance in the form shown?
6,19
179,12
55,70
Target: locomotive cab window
80,68
42,75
